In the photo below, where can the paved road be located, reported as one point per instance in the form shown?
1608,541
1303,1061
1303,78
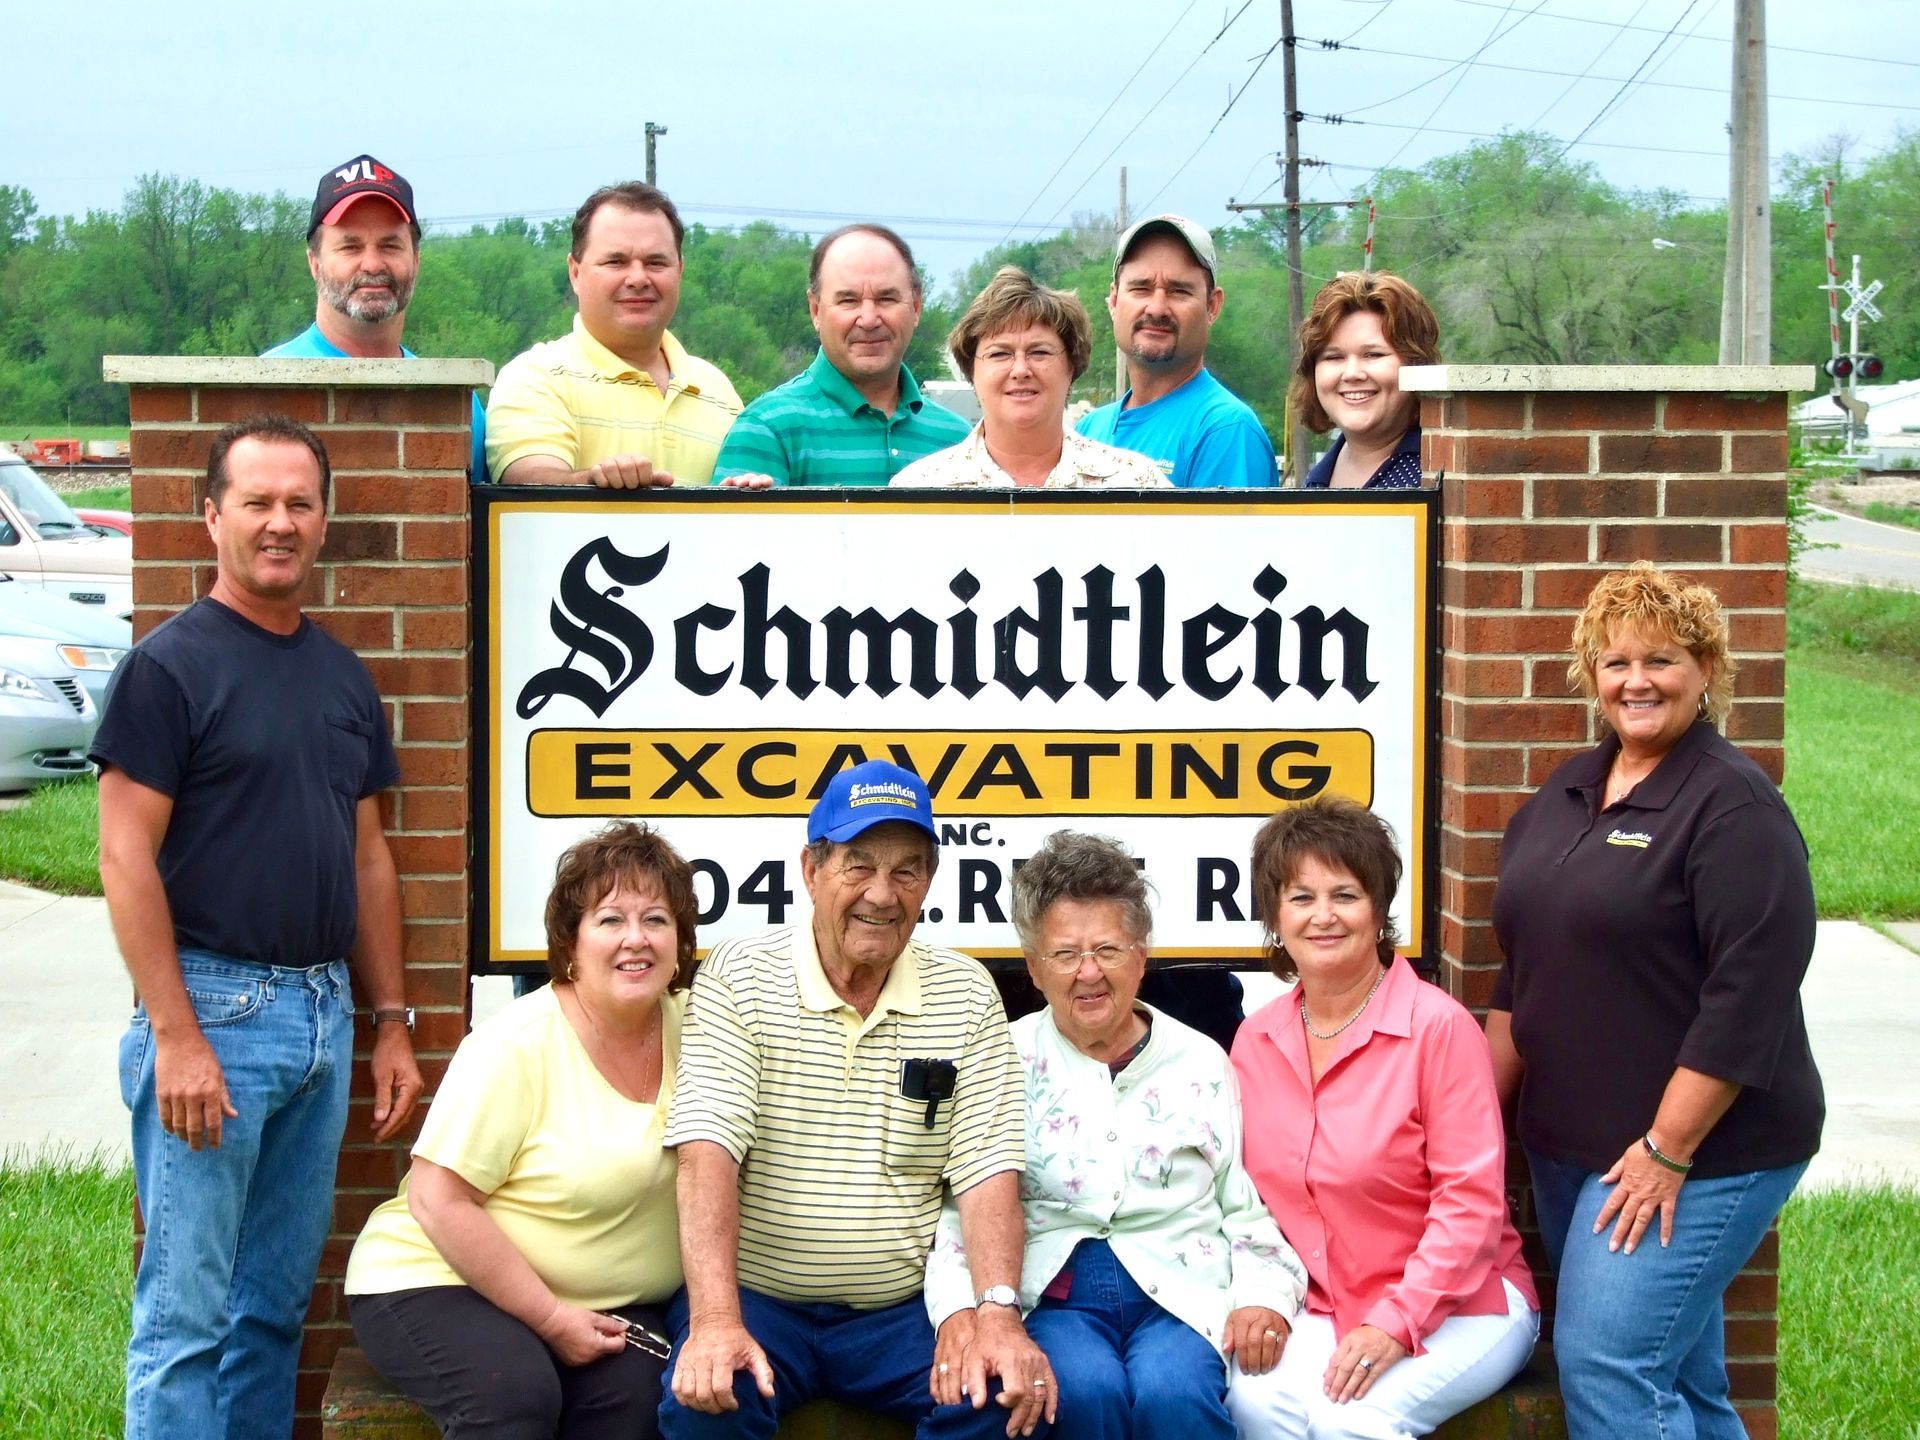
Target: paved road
1865,551
64,1001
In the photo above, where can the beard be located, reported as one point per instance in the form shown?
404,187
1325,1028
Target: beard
358,301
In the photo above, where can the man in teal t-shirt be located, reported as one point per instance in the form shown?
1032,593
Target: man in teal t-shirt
363,247
1164,302
855,416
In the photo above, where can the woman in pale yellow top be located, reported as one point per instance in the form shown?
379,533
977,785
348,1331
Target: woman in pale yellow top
1021,346
515,1285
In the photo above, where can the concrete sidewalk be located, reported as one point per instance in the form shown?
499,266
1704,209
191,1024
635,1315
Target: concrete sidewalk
64,1001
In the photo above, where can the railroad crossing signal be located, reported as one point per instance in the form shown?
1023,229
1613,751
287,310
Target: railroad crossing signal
1862,300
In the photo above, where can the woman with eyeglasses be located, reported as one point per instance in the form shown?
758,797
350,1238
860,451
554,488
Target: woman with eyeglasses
1374,1134
1151,1264
1021,346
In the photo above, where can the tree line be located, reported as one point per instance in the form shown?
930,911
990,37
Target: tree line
1527,256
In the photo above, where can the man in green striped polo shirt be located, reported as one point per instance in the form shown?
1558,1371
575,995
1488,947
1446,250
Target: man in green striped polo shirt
856,415
836,1079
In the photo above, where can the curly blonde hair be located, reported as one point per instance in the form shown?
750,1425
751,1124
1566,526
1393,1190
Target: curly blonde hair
1658,606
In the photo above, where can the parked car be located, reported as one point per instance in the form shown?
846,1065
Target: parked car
47,719
107,522
44,544
81,638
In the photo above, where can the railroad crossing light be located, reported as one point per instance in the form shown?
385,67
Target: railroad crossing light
1840,367
1868,367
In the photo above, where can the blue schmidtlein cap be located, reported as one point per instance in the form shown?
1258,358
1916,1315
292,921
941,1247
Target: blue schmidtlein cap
870,794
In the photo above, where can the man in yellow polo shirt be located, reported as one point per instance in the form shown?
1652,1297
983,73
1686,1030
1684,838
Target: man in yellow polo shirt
835,1080
619,402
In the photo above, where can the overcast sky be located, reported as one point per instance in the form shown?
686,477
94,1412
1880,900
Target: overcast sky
951,120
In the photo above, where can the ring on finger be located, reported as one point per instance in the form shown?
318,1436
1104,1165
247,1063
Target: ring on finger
1365,1363
1271,1334
944,1367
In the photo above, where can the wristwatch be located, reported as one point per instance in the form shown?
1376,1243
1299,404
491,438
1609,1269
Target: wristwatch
999,1295
399,1016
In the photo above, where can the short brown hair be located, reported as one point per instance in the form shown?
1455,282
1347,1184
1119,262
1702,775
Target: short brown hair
1337,832
628,195
622,854
1014,300
280,429
1660,606
861,227
1406,320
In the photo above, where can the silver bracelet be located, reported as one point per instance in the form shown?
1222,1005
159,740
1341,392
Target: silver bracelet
1679,1167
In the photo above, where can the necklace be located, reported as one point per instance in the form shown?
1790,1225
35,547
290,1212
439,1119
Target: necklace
1619,784
634,1092
1350,1019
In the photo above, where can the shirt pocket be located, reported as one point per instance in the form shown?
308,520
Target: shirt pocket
908,1146
349,754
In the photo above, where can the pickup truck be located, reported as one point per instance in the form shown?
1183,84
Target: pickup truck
44,544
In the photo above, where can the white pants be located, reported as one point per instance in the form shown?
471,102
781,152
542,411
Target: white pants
1465,1360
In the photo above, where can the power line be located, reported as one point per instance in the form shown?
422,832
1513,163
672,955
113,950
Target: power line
1578,75
1385,6
1492,135
1721,39
1620,94
1494,36
1097,169
1462,65
1232,101
1597,56
1125,86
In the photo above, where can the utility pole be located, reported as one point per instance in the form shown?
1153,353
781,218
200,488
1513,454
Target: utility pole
1119,352
654,132
1746,297
1756,263
1296,457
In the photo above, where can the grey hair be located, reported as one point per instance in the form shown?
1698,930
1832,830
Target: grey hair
1075,866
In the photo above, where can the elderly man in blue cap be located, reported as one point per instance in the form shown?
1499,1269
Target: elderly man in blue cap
836,1079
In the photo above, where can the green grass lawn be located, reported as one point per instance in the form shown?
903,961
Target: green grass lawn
1889,514
1850,1315
1853,770
52,842
66,1259
60,430
1849,1310
101,497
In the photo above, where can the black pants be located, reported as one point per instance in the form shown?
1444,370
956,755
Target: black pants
479,1372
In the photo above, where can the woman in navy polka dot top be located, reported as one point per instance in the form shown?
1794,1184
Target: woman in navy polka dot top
1362,328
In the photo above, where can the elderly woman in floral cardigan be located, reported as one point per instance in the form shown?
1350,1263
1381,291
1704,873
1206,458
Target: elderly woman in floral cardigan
1151,1264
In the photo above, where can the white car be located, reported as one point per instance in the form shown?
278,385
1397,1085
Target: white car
47,718
81,638
44,544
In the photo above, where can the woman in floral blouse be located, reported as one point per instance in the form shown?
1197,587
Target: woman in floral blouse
1150,1260
1374,1133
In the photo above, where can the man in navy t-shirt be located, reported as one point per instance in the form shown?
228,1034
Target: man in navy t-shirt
363,247
1164,301
241,757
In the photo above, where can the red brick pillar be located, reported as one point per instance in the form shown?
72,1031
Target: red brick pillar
392,583
1556,475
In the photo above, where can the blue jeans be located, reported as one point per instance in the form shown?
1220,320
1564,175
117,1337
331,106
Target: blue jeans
1638,1338
234,1235
878,1360
1126,1367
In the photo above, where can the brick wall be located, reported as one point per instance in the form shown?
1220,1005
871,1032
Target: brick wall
1555,476
392,583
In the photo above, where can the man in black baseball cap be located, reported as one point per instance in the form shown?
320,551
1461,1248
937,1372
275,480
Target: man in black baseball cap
363,248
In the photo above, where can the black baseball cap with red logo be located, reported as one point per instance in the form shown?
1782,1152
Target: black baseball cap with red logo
359,177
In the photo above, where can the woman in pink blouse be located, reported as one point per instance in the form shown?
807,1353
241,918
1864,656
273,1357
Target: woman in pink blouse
1373,1133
